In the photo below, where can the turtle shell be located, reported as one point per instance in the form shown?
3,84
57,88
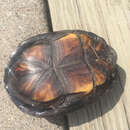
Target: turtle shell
56,72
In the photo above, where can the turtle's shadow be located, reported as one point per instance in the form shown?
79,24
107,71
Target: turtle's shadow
103,105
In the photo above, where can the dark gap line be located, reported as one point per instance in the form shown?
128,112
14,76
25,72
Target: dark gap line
56,71
61,80
126,115
66,65
66,126
100,106
49,21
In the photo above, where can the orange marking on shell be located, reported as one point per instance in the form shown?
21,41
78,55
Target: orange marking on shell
86,40
83,87
70,44
69,36
99,46
99,76
36,52
44,94
21,67
82,81
26,87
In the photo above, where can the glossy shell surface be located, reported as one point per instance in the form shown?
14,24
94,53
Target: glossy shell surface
50,73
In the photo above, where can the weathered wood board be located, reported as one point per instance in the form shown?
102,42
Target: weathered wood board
111,20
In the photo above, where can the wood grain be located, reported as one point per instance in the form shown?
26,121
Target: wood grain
109,19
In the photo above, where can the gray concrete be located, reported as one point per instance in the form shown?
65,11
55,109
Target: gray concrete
19,20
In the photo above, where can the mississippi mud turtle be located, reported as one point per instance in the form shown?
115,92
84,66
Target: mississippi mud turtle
56,72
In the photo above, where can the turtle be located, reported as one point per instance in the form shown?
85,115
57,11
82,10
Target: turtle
55,73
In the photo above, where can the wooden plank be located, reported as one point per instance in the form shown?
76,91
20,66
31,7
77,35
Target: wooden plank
109,19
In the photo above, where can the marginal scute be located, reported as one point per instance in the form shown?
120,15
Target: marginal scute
99,46
86,41
104,64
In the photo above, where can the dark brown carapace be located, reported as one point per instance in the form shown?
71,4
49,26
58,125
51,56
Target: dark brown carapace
51,73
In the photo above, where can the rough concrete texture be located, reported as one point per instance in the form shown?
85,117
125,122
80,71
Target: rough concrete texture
19,20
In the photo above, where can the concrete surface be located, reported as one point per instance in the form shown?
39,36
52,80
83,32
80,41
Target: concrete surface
19,20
